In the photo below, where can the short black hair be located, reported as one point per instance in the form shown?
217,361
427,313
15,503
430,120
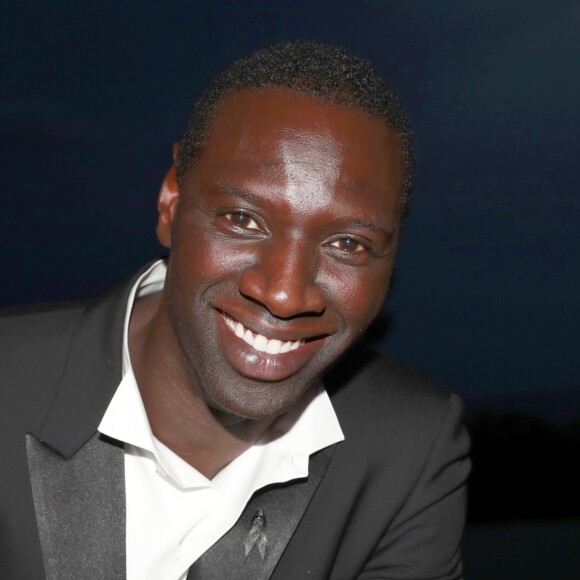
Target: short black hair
322,70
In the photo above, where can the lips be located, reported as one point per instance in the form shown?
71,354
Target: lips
259,357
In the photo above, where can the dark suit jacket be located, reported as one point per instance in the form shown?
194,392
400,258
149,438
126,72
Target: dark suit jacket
388,502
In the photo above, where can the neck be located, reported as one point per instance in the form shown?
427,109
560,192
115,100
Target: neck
177,412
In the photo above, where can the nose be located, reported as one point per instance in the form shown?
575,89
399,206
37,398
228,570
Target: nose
283,280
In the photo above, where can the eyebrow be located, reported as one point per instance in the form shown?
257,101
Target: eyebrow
371,226
232,191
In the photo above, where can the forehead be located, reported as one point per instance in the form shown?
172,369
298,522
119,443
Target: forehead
249,122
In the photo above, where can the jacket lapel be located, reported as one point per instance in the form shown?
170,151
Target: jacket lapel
77,475
252,548
91,375
80,509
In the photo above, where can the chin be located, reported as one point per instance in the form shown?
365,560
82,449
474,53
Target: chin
256,400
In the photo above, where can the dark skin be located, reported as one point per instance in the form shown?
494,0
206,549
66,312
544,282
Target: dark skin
282,241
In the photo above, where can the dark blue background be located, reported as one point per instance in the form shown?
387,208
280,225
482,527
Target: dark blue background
486,287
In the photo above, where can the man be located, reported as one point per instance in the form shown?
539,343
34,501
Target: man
187,425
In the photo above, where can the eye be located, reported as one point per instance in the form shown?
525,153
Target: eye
242,220
349,245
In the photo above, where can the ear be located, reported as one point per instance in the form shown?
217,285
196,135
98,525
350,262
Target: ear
166,205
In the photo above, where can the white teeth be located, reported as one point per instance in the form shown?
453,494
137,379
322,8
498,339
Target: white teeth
260,342
230,322
274,346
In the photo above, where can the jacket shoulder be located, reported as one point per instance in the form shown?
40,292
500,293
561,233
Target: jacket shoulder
385,406
376,385
35,327
34,345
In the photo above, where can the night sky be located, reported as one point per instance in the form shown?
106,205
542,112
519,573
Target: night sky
485,294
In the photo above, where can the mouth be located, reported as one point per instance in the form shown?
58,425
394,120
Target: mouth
260,342
265,358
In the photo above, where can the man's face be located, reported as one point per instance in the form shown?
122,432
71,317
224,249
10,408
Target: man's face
282,245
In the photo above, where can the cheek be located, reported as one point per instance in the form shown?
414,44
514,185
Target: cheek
202,256
358,293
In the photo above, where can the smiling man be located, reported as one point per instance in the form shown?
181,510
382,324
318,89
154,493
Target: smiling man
203,420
